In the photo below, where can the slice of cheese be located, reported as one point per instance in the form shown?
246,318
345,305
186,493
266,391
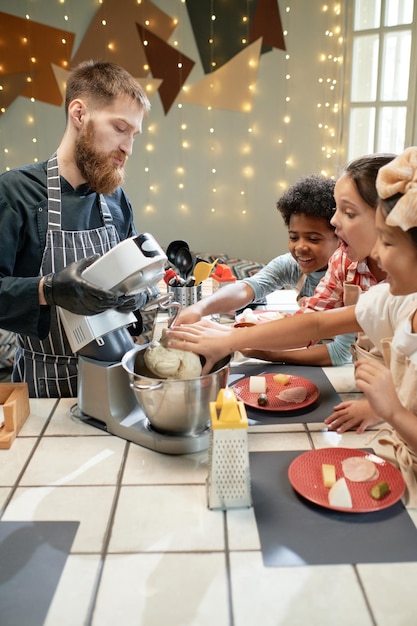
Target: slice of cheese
339,495
257,384
282,379
329,474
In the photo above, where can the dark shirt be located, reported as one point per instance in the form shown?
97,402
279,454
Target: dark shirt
23,227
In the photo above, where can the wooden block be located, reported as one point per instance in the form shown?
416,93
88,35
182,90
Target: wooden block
15,400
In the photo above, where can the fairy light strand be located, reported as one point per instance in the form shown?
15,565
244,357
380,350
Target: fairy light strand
286,120
330,81
328,104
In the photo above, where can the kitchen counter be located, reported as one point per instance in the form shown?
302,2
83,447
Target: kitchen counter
148,551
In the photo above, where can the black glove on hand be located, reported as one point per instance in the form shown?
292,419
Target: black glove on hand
127,304
69,290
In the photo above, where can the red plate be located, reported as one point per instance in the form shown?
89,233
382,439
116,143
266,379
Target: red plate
305,475
272,390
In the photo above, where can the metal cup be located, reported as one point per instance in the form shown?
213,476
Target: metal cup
185,295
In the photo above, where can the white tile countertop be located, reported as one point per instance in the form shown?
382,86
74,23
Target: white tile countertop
148,549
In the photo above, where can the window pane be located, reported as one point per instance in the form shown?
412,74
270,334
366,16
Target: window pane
364,68
396,65
367,14
391,131
361,131
398,12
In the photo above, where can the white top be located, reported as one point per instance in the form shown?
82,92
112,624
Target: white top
382,316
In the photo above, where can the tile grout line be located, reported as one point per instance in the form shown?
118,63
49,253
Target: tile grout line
310,438
28,460
365,597
228,570
106,541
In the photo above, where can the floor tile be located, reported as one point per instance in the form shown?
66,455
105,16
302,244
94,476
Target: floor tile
156,589
382,584
166,518
342,378
14,458
351,439
279,441
90,506
275,428
331,439
63,423
295,596
242,530
75,461
71,601
147,467
39,414
4,494
316,427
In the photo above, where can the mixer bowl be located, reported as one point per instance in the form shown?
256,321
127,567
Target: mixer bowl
176,407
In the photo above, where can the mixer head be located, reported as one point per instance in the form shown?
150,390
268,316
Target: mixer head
135,265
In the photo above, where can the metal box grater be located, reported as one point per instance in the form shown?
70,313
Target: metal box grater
228,481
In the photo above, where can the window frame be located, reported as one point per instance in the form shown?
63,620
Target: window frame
348,106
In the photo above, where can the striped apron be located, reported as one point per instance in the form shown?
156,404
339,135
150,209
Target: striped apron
49,367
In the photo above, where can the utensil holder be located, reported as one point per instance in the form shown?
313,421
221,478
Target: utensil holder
185,295
228,481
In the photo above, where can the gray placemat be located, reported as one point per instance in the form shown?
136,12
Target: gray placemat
317,412
32,558
294,531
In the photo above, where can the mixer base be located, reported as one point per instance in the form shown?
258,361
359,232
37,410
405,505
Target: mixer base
135,427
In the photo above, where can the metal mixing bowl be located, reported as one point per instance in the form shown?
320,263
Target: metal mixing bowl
177,407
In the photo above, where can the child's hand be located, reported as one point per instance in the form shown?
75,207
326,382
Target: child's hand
205,338
351,414
375,380
189,315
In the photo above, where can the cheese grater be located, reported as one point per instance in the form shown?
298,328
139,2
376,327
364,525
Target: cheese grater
228,481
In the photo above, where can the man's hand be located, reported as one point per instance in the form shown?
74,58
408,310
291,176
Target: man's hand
130,304
69,290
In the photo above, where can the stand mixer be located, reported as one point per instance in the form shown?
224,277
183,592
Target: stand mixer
105,396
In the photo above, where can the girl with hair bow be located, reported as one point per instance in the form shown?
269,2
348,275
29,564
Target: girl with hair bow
387,313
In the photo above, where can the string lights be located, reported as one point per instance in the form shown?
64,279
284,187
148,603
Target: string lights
199,161
183,130
330,80
211,115
284,134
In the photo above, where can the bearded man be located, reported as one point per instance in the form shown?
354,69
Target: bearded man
58,215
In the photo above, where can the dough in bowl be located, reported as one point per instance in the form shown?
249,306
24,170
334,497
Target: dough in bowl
172,363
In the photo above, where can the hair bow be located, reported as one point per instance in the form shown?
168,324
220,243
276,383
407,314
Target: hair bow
400,176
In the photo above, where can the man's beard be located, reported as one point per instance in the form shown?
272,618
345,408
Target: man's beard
97,168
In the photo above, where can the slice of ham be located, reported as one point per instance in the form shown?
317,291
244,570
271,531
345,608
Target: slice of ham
293,394
358,469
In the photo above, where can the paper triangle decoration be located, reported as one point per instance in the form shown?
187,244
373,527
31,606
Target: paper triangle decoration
266,23
229,86
167,63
